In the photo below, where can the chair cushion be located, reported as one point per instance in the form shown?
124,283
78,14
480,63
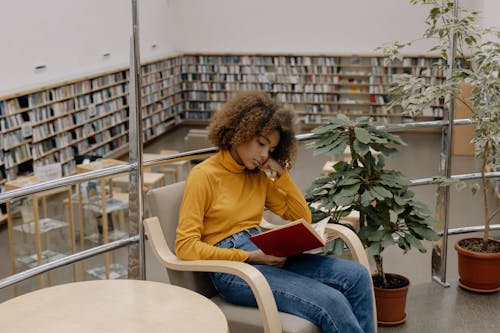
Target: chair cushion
243,319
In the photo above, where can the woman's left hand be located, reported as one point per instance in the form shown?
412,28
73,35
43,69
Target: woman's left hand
273,166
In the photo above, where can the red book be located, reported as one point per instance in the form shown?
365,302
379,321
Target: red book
288,240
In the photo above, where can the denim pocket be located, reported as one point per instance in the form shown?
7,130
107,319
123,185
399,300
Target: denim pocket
227,243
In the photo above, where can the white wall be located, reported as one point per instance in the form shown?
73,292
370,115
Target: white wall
71,36
313,26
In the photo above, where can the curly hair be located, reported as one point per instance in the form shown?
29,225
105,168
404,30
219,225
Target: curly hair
253,113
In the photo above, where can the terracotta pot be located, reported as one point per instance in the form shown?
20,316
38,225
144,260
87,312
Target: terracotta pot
479,272
391,303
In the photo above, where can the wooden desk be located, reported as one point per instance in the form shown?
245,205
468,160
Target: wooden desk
178,165
97,165
150,180
112,306
38,226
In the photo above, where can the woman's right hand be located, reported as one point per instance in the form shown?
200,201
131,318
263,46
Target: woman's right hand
259,257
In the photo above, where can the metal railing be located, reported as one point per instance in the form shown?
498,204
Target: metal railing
195,154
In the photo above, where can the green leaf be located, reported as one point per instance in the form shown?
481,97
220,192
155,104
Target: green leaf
376,195
327,139
365,232
366,198
475,188
375,219
375,249
348,181
376,236
360,147
338,150
382,191
344,200
348,191
424,232
387,241
326,128
362,135
413,241
403,244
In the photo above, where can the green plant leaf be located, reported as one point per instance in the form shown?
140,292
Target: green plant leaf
403,244
388,240
337,150
375,249
382,191
376,236
349,191
344,200
362,135
360,147
366,198
413,241
424,232
375,194
348,181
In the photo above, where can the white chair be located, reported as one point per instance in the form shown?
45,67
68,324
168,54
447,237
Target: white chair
160,229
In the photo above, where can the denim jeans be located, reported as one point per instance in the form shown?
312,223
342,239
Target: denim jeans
333,293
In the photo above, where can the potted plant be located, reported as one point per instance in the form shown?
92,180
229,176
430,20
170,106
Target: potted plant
388,213
476,65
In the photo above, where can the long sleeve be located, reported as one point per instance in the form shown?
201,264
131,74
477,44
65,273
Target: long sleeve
198,197
285,199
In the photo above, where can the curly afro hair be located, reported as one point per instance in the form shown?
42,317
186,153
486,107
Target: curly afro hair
253,113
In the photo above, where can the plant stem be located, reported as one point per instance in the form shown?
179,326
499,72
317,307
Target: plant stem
379,262
485,195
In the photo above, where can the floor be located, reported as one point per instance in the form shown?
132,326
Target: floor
430,307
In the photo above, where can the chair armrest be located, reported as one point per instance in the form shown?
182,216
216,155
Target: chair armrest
352,241
254,278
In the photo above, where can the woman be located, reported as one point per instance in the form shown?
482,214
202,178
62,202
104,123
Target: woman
223,203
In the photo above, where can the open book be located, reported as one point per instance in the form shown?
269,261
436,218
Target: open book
292,238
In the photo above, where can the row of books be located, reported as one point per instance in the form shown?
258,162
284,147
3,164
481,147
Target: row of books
47,146
192,87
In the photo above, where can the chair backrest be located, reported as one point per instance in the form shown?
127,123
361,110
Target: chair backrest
164,203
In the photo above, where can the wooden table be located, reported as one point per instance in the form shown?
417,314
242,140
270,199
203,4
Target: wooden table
121,306
40,223
179,166
150,180
98,165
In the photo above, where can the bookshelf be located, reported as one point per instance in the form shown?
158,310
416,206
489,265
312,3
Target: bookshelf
86,116
89,115
316,86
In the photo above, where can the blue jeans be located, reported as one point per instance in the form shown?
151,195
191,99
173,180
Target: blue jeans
333,293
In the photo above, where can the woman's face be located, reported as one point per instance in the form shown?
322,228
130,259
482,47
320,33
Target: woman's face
255,153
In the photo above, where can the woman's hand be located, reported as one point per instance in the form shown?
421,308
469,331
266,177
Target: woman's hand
259,257
273,166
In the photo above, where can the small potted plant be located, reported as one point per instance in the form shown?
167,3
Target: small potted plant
477,66
388,213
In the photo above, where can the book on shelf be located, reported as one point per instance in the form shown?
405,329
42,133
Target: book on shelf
292,238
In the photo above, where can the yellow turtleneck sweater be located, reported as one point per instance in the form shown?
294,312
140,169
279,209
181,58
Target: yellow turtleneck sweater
221,199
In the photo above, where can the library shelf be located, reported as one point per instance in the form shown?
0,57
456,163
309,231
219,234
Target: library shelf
89,115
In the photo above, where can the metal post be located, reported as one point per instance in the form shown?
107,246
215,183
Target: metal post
136,266
440,248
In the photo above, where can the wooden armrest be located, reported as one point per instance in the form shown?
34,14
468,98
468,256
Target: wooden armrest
352,241
254,278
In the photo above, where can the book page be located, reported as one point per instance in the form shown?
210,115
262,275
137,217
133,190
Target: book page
320,226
